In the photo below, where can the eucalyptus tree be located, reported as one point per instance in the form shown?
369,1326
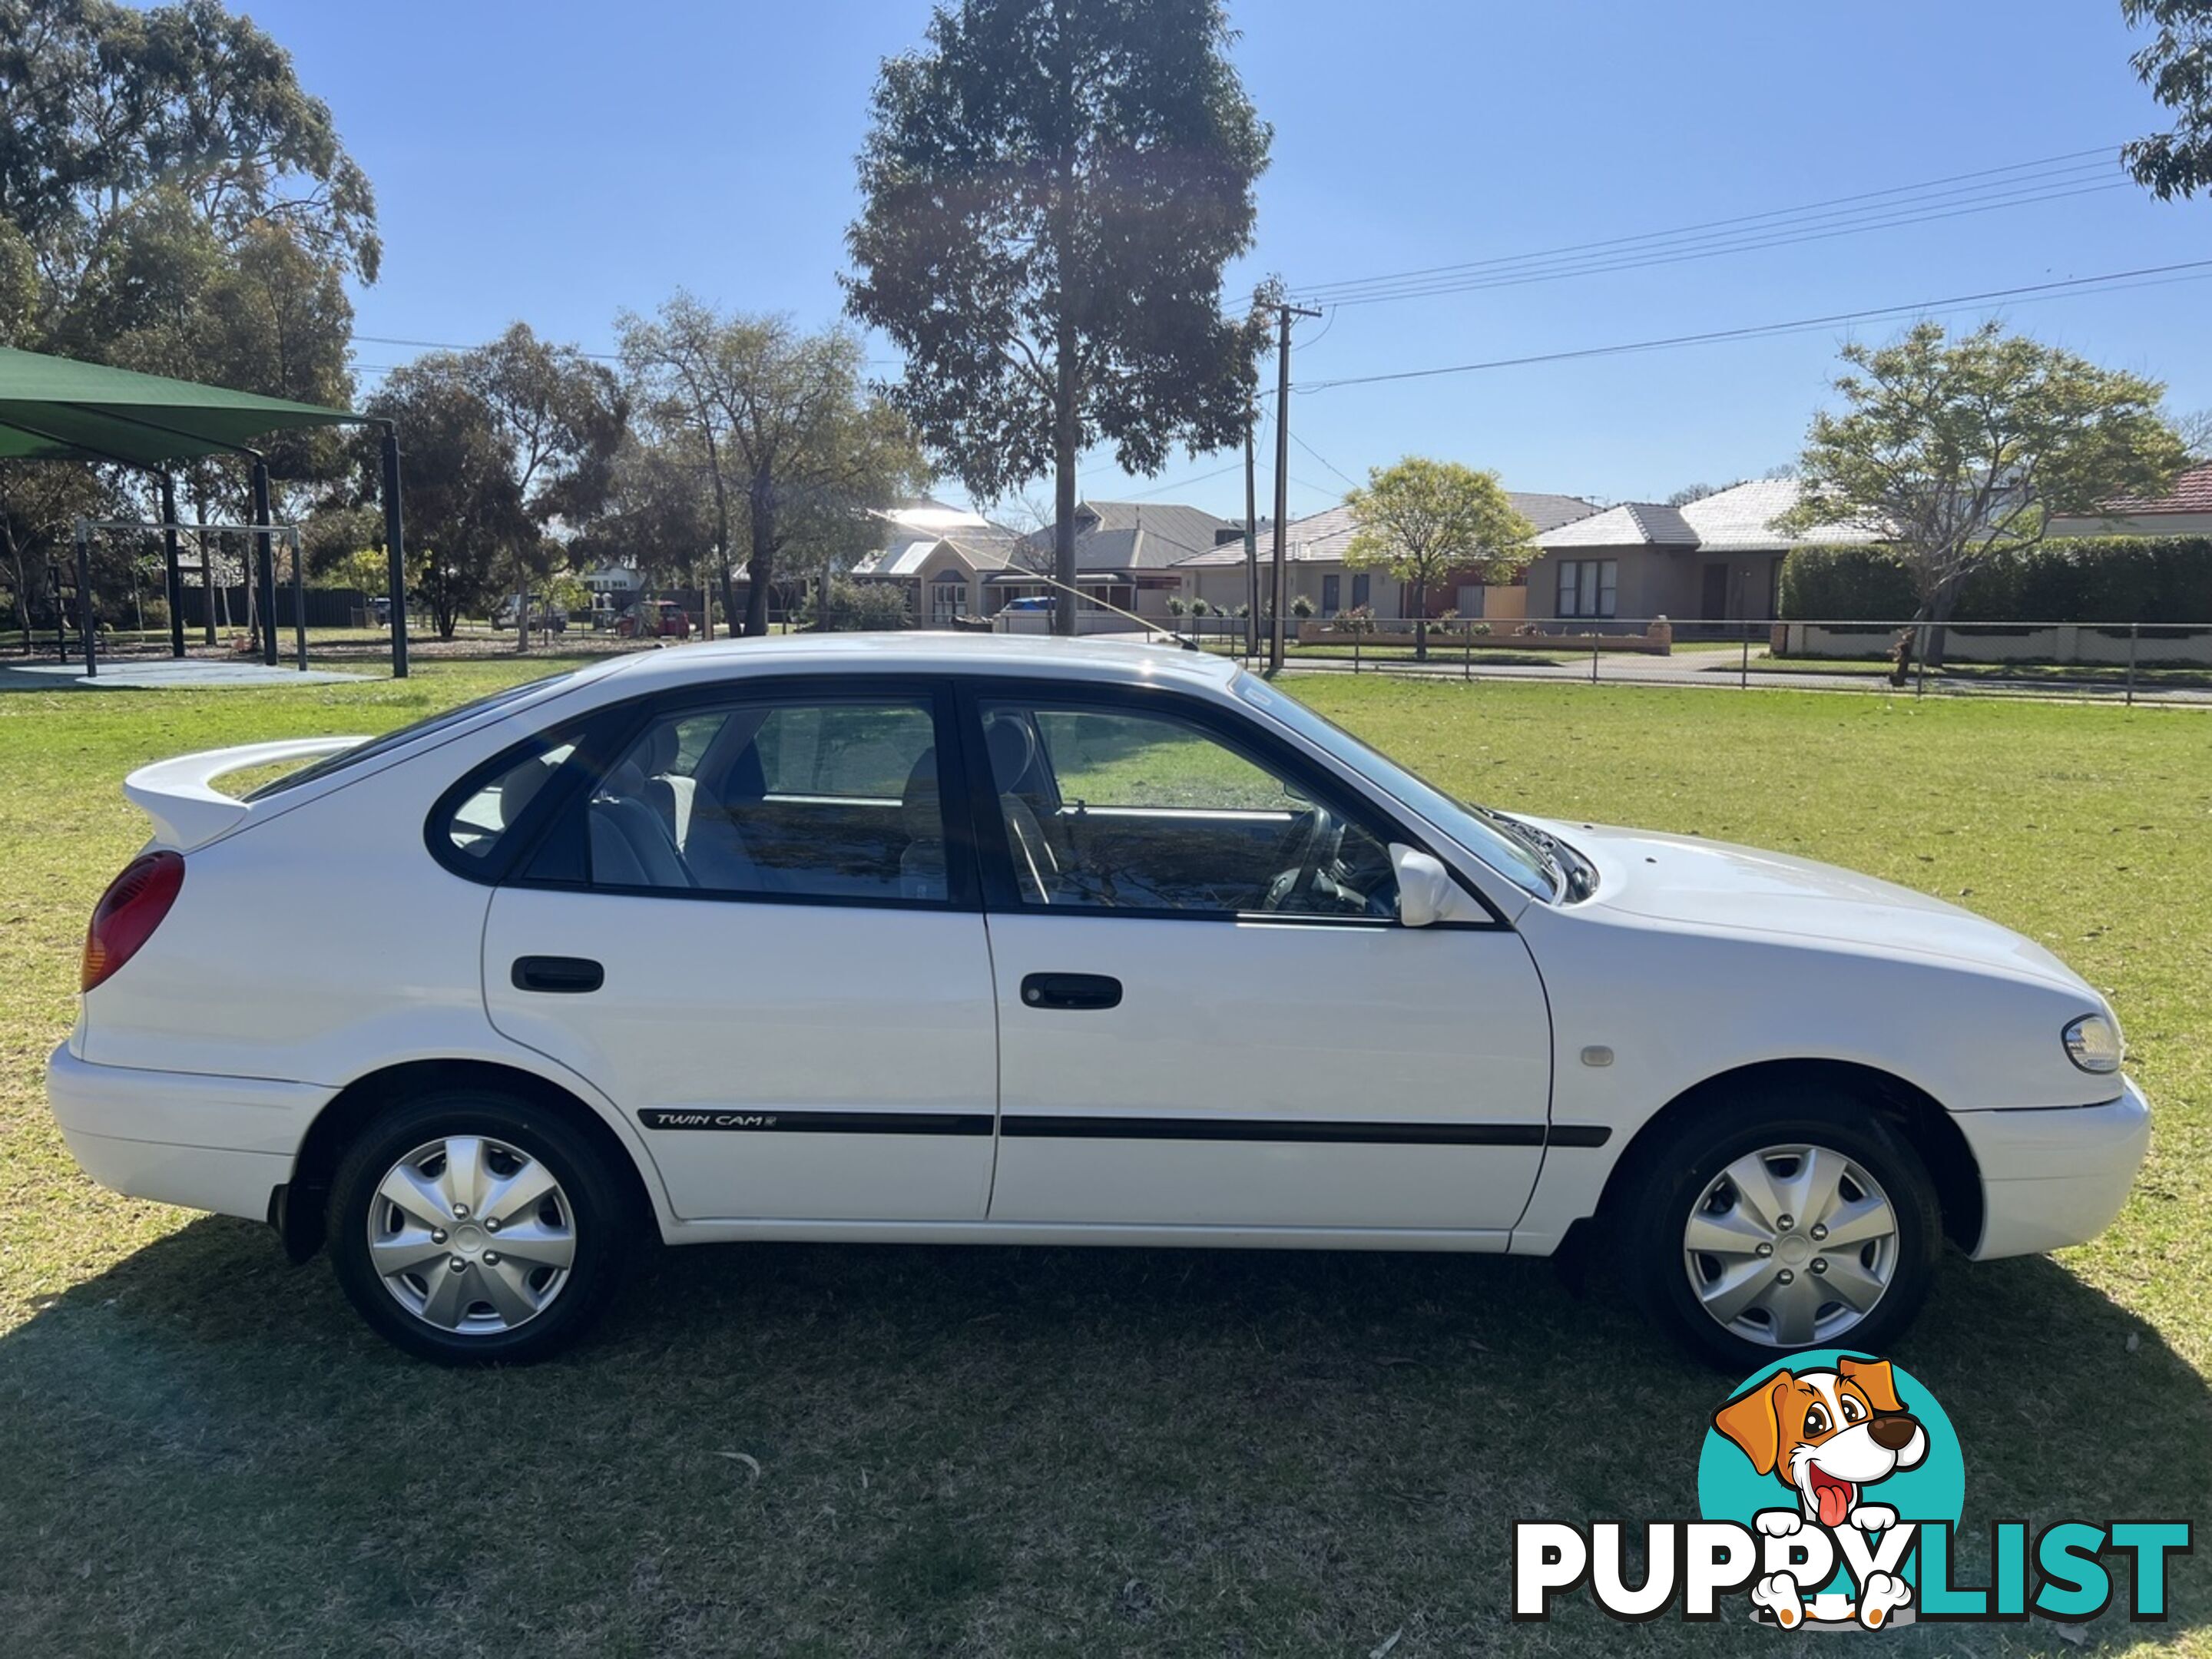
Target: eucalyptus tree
796,453
1053,189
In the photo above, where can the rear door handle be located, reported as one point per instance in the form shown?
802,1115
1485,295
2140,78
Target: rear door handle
569,975
1076,991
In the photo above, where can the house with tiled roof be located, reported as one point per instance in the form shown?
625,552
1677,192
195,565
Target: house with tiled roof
1313,569
942,556
1127,555
2185,509
1717,559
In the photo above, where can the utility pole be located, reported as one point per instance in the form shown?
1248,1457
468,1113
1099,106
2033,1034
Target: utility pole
1252,536
1278,586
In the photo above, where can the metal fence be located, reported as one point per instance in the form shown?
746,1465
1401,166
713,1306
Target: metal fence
2128,662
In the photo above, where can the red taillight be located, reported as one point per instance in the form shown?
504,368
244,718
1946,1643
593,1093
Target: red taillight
128,912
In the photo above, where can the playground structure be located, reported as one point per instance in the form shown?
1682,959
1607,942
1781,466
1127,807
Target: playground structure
56,409
261,589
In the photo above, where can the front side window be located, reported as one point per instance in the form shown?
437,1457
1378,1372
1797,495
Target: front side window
828,798
1483,832
1108,809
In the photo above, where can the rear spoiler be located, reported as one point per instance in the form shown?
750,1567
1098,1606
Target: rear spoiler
180,797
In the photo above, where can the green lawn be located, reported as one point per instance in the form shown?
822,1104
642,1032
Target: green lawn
1063,1452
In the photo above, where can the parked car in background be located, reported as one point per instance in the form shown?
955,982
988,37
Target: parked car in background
650,619
1177,963
543,614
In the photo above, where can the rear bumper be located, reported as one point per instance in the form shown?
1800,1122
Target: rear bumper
208,1142
2055,1177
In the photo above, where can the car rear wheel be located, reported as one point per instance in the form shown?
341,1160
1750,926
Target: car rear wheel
1779,1222
472,1227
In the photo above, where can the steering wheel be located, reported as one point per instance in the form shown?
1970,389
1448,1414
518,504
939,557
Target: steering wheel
1322,840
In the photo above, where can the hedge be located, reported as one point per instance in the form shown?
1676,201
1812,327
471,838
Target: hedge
2092,580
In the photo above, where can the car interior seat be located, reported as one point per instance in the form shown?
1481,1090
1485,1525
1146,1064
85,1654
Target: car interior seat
921,865
1012,748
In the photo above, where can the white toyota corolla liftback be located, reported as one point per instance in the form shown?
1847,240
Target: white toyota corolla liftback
991,941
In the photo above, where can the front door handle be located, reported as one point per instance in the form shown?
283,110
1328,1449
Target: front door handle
1076,991
568,975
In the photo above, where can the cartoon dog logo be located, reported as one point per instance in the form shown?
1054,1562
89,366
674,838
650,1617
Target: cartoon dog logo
1826,1436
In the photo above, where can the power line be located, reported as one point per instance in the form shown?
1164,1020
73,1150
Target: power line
1708,247
1181,483
1685,254
1757,331
1326,462
1876,202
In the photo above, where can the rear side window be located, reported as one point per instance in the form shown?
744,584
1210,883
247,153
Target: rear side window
476,826
832,798
346,759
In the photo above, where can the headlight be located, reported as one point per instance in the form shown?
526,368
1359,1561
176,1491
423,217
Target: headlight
2093,1042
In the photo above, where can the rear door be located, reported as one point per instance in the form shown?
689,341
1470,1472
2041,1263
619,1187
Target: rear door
1209,1014
751,926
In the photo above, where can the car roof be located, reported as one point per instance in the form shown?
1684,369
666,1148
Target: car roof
1108,661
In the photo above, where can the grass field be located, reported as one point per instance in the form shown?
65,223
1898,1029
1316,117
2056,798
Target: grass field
830,1451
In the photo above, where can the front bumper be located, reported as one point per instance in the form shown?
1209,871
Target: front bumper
2057,1176
208,1142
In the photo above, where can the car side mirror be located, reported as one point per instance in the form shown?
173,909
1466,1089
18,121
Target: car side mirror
1426,892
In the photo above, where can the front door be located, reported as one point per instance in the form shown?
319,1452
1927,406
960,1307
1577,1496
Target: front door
1208,1013
1712,604
750,936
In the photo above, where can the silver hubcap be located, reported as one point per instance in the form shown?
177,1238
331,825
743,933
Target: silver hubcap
1790,1247
472,1235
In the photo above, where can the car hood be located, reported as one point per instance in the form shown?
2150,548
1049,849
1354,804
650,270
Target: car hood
1705,883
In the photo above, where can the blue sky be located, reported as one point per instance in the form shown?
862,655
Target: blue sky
558,161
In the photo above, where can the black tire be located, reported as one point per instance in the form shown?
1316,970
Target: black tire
604,1222
1673,1172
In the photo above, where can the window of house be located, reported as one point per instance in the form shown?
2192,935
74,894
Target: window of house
1331,590
948,597
1105,809
1588,587
804,798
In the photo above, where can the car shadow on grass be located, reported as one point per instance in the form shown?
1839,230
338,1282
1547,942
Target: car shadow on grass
841,1449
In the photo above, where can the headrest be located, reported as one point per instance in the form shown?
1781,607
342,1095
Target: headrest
1012,748
519,787
918,804
656,754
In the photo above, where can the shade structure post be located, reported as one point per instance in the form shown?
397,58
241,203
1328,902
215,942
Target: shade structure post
300,601
264,560
86,630
174,578
395,551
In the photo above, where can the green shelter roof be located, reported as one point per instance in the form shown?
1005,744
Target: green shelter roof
56,409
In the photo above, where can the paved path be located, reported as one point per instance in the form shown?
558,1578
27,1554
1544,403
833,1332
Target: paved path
157,674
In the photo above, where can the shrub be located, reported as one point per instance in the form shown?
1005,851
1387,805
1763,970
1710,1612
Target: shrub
1302,607
2099,580
858,607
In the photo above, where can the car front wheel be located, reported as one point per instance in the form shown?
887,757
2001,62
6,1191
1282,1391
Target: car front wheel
472,1228
1781,1222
